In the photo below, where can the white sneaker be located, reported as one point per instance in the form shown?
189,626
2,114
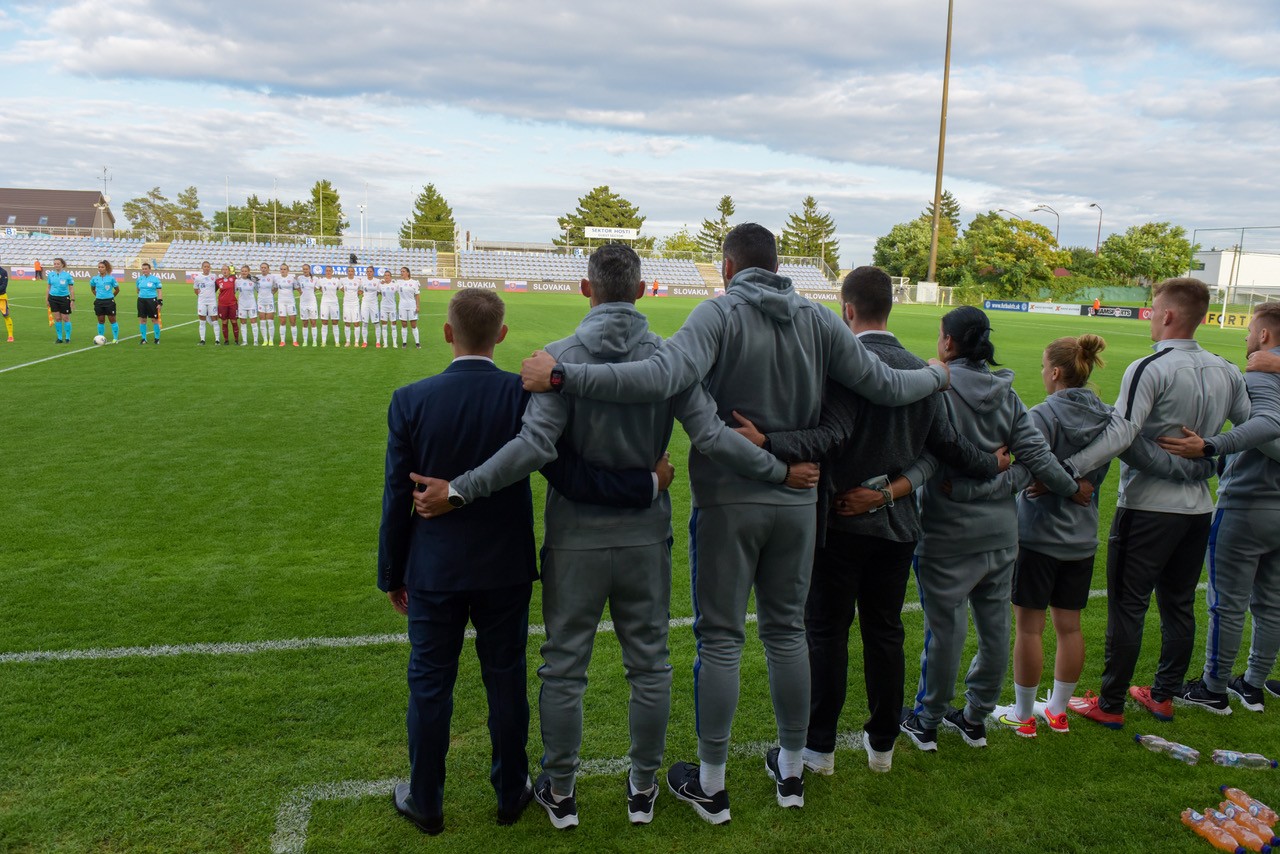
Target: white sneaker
823,764
1006,716
879,761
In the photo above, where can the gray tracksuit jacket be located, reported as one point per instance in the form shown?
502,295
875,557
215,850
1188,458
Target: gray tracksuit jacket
986,410
761,349
1251,479
614,435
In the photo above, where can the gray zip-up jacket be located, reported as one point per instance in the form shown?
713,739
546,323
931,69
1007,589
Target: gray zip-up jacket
1178,385
1251,479
613,435
985,409
764,350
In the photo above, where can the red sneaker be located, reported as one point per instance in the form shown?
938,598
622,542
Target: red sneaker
295,343
1088,707
1163,710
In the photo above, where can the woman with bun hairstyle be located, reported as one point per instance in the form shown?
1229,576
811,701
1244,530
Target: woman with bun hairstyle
967,552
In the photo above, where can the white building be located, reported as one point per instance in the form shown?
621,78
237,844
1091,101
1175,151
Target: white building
1238,271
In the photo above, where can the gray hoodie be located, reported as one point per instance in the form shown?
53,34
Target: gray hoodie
616,436
986,410
764,350
1251,479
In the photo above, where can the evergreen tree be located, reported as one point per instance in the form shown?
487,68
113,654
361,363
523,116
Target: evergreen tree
950,212
432,219
602,208
711,237
326,208
810,234
680,241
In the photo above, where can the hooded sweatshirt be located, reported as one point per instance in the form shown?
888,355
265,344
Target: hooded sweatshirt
761,349
614,436
1251,479
986,410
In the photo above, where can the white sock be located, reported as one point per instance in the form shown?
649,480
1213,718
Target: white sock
790,763
201,325
711,778
1024,701
415,336
1062,692
404,335
254,327
382,334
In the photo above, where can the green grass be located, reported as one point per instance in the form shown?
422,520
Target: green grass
181,494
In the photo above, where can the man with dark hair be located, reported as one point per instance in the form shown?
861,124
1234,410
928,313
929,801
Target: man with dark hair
867,539
1161,526
474,565
593,555
762,350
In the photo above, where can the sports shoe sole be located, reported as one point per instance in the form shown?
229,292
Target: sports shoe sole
721,817
562,822
1244,701
1195,704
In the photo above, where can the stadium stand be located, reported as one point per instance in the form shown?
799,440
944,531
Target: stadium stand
77,251
188,254
805,276
543,266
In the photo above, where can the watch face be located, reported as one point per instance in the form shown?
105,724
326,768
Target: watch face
457,501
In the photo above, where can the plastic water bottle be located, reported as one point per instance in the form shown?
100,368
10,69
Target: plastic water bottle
1252,806
1216,836
1180,752
1242,818
1238,832
1234,759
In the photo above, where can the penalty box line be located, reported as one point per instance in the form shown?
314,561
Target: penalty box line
289,644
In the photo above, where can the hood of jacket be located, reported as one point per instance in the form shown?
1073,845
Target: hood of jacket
611,330
1081,414
983,389
769,292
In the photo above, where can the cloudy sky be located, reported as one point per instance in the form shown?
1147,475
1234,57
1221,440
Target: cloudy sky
1154,110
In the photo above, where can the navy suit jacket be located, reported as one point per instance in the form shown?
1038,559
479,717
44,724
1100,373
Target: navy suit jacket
450,423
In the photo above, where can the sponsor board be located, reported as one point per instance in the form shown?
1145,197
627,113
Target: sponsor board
164,275
554,287
1003,305
607,233
1124,312
1054,308
483,284
683,291
819,295
1228,321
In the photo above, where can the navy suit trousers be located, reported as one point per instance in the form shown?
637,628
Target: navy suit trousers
437,623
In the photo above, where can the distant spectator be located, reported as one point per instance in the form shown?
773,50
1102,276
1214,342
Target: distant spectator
39,269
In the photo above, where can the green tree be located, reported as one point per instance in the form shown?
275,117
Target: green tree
810,234
154,212
950,213
432,219
605,209
255,216
186,212
1012,259
326,208
711,237
1147,253
904,251
680,241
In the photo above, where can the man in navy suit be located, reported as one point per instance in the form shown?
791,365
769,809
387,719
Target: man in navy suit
475,564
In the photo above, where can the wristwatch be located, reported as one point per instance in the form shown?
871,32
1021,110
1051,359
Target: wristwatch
1209,449
455,498
557,378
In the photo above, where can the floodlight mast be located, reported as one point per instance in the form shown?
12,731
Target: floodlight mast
942,145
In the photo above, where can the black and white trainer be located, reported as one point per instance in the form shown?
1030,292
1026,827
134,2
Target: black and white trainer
1250,697
1196,693
790,789
640,804
563,812
974,735
1273,687
682,780
925,738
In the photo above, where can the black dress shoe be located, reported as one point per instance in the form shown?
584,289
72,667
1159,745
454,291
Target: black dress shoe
430,825
511,816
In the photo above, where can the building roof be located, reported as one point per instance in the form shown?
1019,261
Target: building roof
31,209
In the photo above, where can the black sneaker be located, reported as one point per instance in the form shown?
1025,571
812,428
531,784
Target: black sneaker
640,804
974,735
790,790
1273,687
683,782
563,812
143,341
201,343
430,825
1196,693
925,738
511,816
1250,697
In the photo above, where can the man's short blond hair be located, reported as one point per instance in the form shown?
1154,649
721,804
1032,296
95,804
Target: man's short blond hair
1268,314
476,317
1188,297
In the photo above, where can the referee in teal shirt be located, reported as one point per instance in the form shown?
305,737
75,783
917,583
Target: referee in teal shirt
105,289
150,299
62,298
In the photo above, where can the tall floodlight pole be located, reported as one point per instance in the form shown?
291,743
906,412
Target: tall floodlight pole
275,208
1098,243
1057,228
226,187
942,146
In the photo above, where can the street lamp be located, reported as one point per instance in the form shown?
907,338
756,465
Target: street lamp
1057,228
942,146
1009,212
1098,244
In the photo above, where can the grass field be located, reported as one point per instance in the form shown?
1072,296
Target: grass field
182,495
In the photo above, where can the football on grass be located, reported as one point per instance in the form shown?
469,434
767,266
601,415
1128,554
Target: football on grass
99,340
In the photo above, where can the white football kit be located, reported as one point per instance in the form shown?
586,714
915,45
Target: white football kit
350,300
388,291
246,307
266,298
284,295
329,309
307,309
409,290
368,300
206,295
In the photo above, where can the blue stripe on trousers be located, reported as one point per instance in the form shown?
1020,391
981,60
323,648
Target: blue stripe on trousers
928,636
1211,599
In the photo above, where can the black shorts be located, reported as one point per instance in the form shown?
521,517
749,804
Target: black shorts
147,308
103,307
1040,581
60,305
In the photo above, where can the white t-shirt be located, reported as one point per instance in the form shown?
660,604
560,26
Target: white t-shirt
307,286
328,290
285,286
206,287
245,289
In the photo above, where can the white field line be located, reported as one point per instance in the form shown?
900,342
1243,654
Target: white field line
288,644
294,815
87,349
